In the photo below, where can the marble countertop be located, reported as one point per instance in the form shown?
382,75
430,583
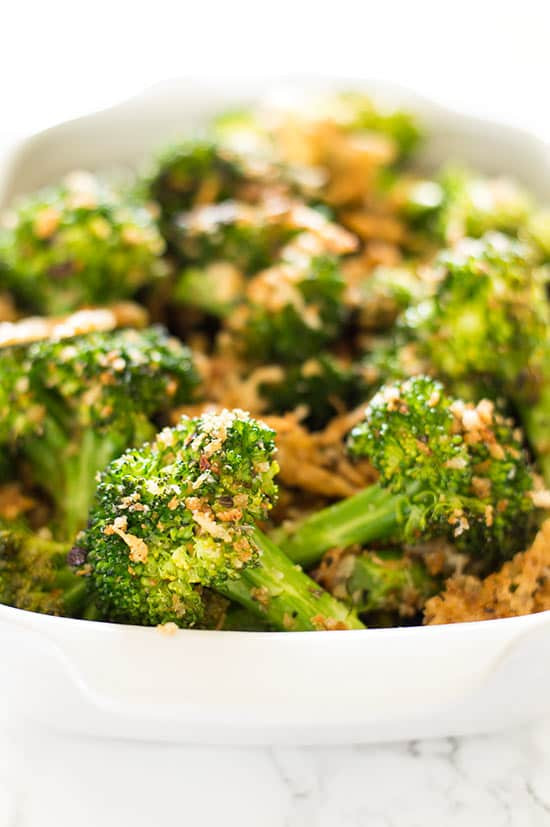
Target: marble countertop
502,780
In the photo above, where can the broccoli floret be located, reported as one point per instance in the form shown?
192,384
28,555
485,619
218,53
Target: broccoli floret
71,405
447,468
194,172
373,581
294,309
225,243
459,204
488,324
180,515
78,244
247,236
358,112
384,294
214,289
35,574
325,385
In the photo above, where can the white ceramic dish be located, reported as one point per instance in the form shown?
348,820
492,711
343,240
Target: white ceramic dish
232,687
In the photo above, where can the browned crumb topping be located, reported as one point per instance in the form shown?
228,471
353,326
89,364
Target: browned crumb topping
138,548
8,312
328,624
14,502
167,629
34,329
261,595
522,586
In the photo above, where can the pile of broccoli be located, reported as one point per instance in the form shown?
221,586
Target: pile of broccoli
286,266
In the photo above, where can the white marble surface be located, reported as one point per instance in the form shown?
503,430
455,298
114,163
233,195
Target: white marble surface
487,781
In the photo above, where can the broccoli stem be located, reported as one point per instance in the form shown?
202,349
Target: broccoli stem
386,580
372,514
280,592
67,471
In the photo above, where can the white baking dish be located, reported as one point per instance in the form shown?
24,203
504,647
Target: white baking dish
237,687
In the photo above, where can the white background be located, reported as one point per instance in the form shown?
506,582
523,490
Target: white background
59,60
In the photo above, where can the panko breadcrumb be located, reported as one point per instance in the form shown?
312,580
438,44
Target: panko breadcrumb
522,586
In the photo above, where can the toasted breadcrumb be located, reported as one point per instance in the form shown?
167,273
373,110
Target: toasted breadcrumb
14,502
138,548
520,587
167,629
34,329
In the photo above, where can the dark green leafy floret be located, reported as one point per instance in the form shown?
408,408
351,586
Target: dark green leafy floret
196,171
69,406
460,204
447,468
324,385
488,324
488,314
294,310
386,292
35,575
246,236
179,515
78,244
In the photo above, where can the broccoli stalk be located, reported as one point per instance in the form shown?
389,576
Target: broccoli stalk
446,468
35,575
377,580
178,517
72,405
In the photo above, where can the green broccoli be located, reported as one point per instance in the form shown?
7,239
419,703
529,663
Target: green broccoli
78,244
356,111
460,204
223,244
488,325
324,384
194,172
69,406
373,581
247,236
37,575
447,468
293,309
180,515
387,292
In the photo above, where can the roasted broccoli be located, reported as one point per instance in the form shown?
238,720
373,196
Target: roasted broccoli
35,574
69,406
294,308
193,173
446,468
385,293
324,386
373,581
78,244
488,325
222,245
458,204
180,515
248,236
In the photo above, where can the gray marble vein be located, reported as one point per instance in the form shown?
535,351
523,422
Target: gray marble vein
501,780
